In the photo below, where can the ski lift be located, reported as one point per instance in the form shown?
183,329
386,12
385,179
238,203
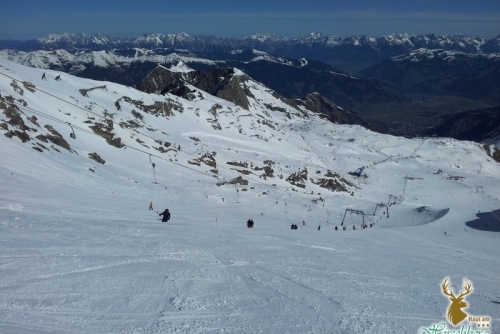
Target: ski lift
72,134
237,194
153,164
382,205
358,212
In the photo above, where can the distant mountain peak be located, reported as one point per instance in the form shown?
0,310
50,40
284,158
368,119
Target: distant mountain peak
381,47
262,37
315,35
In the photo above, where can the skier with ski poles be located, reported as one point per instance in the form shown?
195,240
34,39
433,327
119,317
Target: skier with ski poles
165,214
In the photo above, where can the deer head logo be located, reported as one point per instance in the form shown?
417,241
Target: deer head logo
455,313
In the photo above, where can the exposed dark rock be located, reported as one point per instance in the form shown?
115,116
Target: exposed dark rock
220,82
106,131
238,180
159,108
321,105
297,179
206,158
493,152
96,157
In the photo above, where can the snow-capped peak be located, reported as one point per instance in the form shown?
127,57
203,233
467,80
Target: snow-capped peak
262,37
315,35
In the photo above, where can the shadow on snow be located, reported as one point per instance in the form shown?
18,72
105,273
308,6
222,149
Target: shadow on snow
486,221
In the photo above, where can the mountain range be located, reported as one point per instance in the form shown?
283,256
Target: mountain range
330,49
400,84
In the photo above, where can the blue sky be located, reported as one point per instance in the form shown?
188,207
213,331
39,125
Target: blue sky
26,19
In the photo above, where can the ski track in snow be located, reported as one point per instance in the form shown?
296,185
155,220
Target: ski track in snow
180,278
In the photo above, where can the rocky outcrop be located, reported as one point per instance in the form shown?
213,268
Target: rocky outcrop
220,82
321,105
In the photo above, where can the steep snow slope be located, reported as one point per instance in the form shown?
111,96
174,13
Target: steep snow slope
81,252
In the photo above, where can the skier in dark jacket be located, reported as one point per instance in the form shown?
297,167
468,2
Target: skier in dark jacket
166,216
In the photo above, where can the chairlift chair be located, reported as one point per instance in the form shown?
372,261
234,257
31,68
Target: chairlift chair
72,134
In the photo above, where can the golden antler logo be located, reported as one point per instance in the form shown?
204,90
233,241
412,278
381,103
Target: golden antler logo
455,313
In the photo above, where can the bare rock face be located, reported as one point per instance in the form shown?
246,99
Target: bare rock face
321,105
221,82
297,179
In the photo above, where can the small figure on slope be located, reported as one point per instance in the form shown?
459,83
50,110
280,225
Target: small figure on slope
151,206
166,216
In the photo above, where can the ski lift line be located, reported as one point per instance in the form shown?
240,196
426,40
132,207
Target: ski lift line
39,112
74,105
86,110
77,127
148,136
89,111
175,163
92,133
61,121
190,154
81,129
172,162
56,97
29,109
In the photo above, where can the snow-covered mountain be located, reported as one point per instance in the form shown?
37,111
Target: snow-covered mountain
68,40
335,50
82,159
205,43
292,78
376,77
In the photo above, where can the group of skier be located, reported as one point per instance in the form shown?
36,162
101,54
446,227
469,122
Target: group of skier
165,214
166,217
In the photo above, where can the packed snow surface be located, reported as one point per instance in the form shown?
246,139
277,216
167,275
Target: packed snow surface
81,253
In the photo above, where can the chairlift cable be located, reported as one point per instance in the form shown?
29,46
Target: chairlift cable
145,135
29,109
